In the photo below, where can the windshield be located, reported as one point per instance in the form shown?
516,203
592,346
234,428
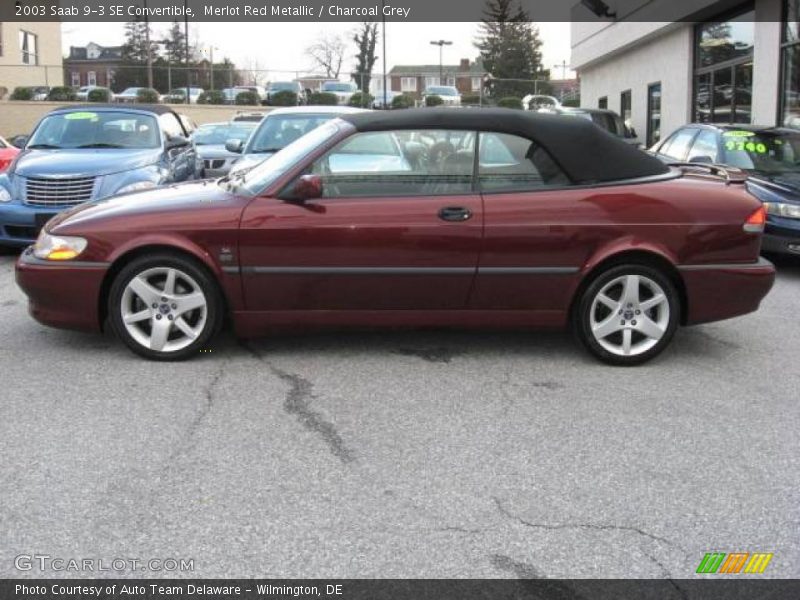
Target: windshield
219,133
264,174
442,91
85,129
338,87
763,152
282,85
278,131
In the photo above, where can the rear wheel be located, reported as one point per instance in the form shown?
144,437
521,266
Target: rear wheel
628,314
164,307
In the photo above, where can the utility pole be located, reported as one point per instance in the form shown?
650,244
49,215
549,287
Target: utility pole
563,66
441,44
147,45
383,42
186,35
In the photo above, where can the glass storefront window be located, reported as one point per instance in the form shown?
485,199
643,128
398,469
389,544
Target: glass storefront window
790,59
730,40
653,114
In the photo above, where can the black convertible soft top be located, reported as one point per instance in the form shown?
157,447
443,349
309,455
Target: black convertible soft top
587,153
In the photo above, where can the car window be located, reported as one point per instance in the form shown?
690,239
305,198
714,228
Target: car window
677,146
705,144
513,163
277,132
171,126
398,163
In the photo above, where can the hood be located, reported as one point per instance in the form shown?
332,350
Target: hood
248,161
164,199
83,163
214,151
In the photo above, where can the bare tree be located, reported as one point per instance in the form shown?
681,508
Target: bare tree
328,53
252,73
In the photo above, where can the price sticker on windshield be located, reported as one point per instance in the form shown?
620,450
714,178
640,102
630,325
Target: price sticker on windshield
738,133
751,147
81,116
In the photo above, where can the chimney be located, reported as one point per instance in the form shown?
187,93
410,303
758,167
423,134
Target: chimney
464,66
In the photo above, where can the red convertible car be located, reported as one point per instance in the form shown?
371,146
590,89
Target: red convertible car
480,218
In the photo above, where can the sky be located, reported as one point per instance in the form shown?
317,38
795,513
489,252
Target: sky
280,47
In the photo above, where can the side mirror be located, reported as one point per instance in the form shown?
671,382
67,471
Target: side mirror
234,145
307,187
177,141
702,159
19,141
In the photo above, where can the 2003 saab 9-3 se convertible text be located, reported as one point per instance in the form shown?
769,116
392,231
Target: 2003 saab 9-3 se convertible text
417,217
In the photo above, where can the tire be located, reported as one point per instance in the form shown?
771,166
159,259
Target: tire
627,298
160,325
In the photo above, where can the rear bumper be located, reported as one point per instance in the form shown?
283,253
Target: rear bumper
63,295
717,292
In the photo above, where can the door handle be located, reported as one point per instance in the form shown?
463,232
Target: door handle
454,213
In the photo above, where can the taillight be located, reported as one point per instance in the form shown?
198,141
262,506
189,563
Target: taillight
755,222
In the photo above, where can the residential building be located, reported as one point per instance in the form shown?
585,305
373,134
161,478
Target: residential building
30,55
712,63
414,79
92,64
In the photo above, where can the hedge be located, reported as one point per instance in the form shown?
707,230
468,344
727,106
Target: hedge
361,100
283,98
99,95
470,99
211,97
402,101
433,100
510,102
323,99
147,96
22,93
247,98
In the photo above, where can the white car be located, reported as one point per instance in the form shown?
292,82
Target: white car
343,90
450,96
83,92
178,95
280,128
130,94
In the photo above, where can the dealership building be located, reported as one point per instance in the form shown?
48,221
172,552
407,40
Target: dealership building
715,62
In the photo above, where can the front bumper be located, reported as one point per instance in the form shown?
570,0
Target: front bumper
717,292
65,295
20,224
780,239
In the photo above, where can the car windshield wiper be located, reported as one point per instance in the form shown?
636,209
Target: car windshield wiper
265,150
42,147
101,145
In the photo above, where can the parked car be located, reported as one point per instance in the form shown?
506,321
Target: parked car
769,155
178,95
40,92
258,90
82,94
128,95
280,128
286,86
603,118
251,116
88,152
7,154
554,223
343,90
210,140
378,101
450,96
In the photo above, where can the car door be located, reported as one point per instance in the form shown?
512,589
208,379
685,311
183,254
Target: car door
180,159
393,230
535,239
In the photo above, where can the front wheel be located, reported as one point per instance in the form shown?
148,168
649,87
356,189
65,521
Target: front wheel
164,307
628,314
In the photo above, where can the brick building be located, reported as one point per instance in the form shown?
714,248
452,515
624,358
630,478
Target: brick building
92,64
466,76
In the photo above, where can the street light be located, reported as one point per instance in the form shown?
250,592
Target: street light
211,56
441,43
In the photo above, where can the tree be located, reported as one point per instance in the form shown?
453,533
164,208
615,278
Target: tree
175,44
366,38
132,71
510,46
328,54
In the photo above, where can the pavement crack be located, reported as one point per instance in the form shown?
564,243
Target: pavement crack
298,404
209,397
586,526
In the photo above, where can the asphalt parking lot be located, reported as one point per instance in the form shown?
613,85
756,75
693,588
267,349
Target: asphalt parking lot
403,454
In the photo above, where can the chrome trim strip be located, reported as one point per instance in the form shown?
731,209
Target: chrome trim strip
762,262
527,270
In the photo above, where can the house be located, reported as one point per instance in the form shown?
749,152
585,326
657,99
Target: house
92,64
466,76
30,55
716,62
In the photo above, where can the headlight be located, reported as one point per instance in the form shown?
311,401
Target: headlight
5,196
782,209
58,247
136,187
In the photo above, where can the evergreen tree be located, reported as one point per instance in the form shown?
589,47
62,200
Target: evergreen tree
132,71
366,39
510,47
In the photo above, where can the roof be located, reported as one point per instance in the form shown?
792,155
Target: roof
585,152
475,68
158,109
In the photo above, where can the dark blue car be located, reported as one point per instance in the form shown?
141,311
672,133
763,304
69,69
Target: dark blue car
83,153
771,158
